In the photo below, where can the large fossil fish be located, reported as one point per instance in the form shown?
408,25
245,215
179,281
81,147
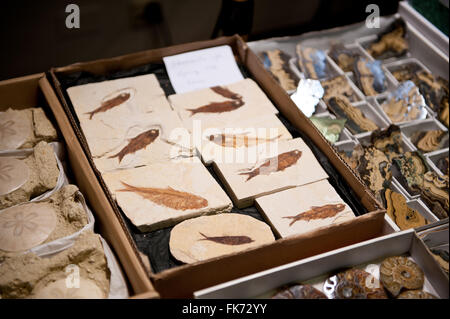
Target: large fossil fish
282,161
239,140
317,212
111,103
228,240
137,143
220,107
168,197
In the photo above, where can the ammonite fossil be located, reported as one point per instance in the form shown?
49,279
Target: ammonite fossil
300,292
416,294
397,273
354,284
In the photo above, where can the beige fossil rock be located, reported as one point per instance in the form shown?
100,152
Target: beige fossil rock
30,276
239,139
43,176
302,209
25,128
276,167
163,194
30,224
245,101
212,236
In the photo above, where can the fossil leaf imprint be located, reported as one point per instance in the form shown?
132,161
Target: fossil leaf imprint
318,212
228,240
108,103
282,162
220,107
137,143
168,197
239,140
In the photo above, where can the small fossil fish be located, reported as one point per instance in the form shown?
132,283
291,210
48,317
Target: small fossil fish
110,103
229,240
283,161
226,93
317,212
168,197
235,140
137,143
218,107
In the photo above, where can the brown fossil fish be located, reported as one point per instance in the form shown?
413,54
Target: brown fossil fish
168,197
218,107
229,240
110,103
317,212
283,161
236,140
226,93
137,143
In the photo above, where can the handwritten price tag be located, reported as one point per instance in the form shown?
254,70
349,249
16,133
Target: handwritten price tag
202,69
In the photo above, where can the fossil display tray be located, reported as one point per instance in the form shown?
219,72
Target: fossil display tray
155,244
407,243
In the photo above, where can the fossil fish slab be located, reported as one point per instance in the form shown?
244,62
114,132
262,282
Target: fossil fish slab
155,137
241,139
302,209
163,194
209,108
279,166
207,237
108,110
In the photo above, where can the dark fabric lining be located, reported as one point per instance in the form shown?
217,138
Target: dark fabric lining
155,244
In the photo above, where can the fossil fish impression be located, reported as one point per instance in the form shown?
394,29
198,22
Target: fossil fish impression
317,212
118,98
283,161
137,143
239,140
220,107
228,240
167,197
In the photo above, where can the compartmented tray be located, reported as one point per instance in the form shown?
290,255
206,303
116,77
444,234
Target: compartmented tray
174,280
316,269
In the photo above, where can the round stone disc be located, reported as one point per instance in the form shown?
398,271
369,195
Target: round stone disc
26,226
14,174
14,130
59,289
207,237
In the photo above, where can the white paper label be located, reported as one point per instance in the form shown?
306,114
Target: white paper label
202,69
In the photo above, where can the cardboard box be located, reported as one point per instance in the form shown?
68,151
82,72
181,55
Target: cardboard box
182,281
370,251
35,90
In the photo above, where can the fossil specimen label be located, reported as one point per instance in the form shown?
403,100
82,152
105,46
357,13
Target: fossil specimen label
282,165
304,208
26,226
15,129
163,194
13,174
207,237
59,289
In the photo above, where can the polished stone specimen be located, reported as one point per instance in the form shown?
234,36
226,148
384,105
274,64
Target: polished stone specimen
389,141
409,169
397,209
429,141
435,193
338,85
277,62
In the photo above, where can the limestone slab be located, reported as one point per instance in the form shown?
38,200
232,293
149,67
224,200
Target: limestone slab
302,209
212,236
240,139
154,137
107,110
245,101
278,166
163,194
